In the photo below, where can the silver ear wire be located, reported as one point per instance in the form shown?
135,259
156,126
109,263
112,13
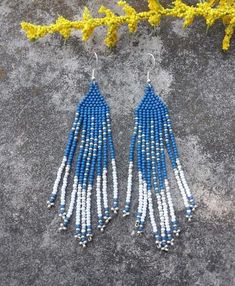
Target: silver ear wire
94,68
150,69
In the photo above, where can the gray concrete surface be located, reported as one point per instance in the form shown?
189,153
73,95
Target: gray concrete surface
41,83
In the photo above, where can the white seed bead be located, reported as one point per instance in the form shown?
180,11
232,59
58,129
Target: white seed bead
58,177
79,199
88,207
72,203
129,182
98,195
115,180
104,189
152,219
181,188
145,201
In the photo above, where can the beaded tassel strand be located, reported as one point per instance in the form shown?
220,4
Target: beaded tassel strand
152,134
96,144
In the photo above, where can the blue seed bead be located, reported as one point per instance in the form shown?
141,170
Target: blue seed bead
174,225
88,230
169,238
157,237
169,235
52,198
78,227
191,201
62,209
138,215
107,213
100,220
83,237
163,243
141,227
115,203
66,222
188,212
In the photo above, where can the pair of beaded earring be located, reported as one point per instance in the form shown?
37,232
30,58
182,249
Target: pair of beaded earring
152,132
92,124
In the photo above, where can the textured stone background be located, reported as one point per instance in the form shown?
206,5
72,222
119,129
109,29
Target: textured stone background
40,85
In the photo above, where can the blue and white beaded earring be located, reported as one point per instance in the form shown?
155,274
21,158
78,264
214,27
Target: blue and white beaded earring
92,126
153,134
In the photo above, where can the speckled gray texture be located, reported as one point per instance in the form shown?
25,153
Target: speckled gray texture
41,83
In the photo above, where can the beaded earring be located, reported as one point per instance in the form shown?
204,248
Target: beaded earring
152,133
92,121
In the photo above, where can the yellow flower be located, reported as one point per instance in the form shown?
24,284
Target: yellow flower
154,19
210,10
154,5
228,35
132,16
111,37
34,32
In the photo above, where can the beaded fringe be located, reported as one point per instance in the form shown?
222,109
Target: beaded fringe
153,132
92,125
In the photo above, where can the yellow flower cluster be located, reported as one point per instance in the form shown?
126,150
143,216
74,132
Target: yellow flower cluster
210,10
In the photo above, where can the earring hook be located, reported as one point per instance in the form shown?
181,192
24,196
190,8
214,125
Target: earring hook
153,66
94,68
